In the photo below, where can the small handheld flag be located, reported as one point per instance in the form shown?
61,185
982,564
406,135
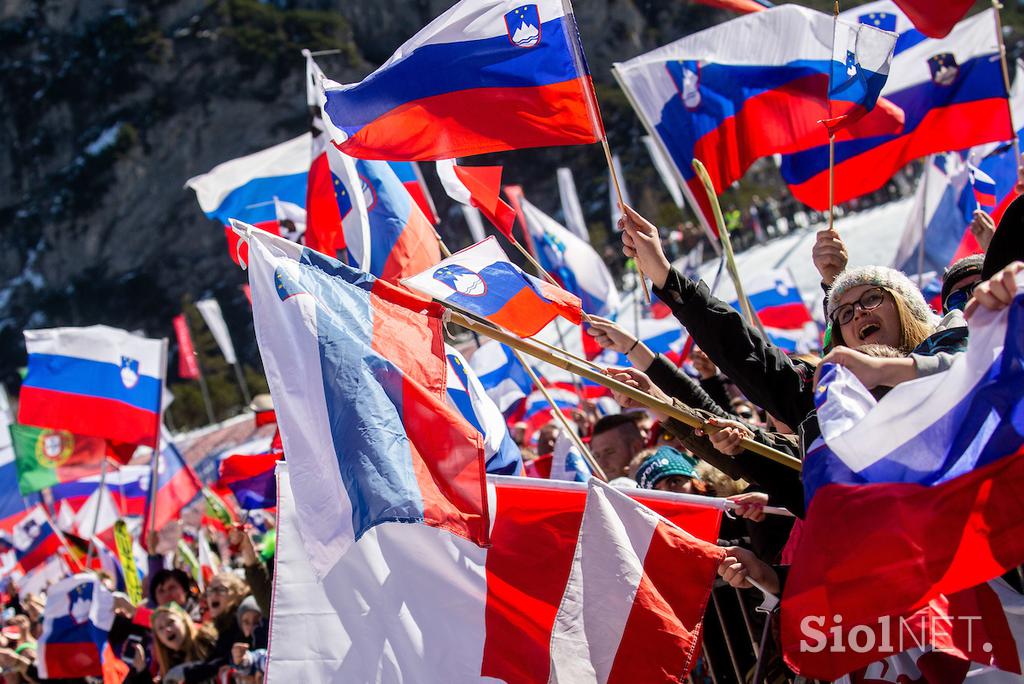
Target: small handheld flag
984,187
481,280
861,56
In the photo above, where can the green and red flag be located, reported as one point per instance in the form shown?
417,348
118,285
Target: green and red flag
46,457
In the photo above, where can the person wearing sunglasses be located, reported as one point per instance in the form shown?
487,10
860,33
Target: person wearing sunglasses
959,281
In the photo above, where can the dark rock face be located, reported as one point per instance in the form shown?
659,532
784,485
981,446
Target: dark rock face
107,107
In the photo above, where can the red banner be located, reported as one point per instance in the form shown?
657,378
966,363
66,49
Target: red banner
188,368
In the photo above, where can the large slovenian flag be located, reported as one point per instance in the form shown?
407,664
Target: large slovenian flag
481,280
861,56
952,95
736,92
98,381
568,259
399,240
887,16
357,372
245,188
460,613
485,76
34,538
922,487
76,621
468,396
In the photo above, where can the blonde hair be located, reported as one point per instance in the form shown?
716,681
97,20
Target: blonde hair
197,645
913,331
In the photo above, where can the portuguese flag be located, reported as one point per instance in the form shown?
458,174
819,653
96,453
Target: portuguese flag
46,457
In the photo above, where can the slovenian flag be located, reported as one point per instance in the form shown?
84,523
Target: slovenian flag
76,622
984,187
34,539
921,486
861,55
127,485
485,76
482,281
98,381
357,372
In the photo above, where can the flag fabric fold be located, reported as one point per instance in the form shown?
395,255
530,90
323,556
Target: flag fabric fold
46,457
480,187
483,281
357,373
935,19
485,76
250,477
98,381
889,480
636,594
861,57
76,622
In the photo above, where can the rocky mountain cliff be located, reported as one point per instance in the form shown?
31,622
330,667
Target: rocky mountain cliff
107,107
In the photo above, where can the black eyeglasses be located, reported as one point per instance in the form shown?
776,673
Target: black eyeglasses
958,299
870,300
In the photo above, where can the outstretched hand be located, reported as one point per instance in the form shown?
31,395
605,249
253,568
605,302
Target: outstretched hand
640,241
997,292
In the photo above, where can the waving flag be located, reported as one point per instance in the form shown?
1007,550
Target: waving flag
887,16
357,374
472,612
250,477
188,366
861,55
943,208
480,187
246,188
46,457
34,538
568,259
736,92
567,463
176,486
782,310
501,375
935,19
485,76
400,239
76,621
984,187
97,381
571,208
467,395
410,176
952,95
537,411
481,280
637,590
945,452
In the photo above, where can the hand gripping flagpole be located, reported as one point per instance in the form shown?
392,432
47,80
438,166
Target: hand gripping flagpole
723,233
680,412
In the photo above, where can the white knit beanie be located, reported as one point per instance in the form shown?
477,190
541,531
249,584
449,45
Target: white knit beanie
882,276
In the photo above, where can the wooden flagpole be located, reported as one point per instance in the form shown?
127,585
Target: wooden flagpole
723,233
681,413
622,208
584,451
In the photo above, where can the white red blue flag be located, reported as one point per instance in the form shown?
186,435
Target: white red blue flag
567,258
467,395
952,95
744,89
481,280
97,381
357,372
76,622
567,463
246,188
485,76
461,613
784,314
921,486
501,375
984,187
861,56
176,486
34,539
